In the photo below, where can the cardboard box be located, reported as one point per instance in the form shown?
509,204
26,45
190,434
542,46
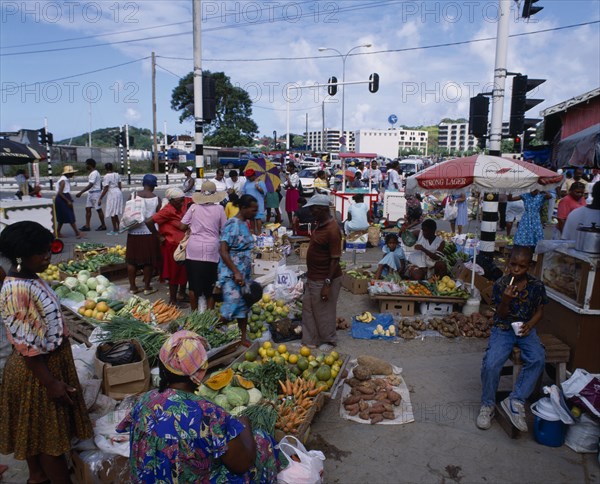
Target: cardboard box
115,468
122,380
262,266
303,251
354,285
483,285
396,307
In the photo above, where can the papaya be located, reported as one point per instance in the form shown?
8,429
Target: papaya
220,380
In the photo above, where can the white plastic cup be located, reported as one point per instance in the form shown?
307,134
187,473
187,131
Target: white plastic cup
155,376
516,326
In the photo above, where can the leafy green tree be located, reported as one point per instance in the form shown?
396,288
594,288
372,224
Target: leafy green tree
233,125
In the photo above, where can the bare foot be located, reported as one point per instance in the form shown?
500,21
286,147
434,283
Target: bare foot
78,235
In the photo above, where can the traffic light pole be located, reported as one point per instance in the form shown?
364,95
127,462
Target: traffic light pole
121,151
165,154
198,100
127,154
489,210
312,86
48,154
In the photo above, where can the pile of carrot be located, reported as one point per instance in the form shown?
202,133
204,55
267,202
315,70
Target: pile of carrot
160,312
297,399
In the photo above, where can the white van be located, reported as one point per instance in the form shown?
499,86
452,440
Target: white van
410,167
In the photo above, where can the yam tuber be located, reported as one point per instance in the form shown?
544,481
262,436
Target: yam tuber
375,419
376,365
388,415
362,373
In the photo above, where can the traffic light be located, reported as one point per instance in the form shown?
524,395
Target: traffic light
374,82
117,140
209,101
529,9
131,141
517,144
528,137
209,98
479,109
520,104
332,87
44,137
122,139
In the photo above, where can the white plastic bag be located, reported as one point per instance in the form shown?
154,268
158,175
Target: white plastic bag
583,436
451,211
133,214
310,468
586,387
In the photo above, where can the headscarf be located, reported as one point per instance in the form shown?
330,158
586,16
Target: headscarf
174,193
184,354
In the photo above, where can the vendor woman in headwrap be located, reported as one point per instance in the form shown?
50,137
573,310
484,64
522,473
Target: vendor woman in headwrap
178,436
169,235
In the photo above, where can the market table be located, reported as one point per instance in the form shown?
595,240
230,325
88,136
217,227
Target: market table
403,305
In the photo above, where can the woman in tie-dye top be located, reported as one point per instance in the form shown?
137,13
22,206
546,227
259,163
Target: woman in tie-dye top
41,401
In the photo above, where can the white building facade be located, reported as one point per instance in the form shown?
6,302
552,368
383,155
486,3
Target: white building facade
328,140
455,137
390,142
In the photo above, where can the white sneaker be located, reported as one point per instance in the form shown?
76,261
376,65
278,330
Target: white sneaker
484,419
516,413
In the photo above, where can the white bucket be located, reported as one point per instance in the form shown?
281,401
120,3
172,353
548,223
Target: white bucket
472,306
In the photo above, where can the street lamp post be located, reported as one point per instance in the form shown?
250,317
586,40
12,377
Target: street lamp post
344,57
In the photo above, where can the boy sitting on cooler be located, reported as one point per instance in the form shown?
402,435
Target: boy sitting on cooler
518,297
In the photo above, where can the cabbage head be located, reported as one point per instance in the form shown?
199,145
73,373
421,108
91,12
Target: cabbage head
92,283
207,392
254,395
71,282
236,396
221,401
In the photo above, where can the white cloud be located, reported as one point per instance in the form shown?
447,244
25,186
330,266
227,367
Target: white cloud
132,115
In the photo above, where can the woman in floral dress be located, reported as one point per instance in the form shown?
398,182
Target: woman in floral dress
235,266
178,436
530,230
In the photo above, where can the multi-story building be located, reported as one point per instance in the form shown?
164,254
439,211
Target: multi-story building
455,137
391,142
328,140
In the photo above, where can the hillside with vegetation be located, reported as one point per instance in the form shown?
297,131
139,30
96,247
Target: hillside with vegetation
105,138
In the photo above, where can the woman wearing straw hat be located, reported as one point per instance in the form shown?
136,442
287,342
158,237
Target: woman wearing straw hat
178,436
205,220
63,202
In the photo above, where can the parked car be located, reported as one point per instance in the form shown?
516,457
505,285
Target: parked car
307,179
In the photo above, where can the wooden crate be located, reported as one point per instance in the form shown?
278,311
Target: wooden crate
80,328
79,254
114,272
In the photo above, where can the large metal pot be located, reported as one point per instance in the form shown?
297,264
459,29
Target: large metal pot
588,239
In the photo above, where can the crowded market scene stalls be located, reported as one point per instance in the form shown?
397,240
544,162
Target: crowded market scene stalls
216,307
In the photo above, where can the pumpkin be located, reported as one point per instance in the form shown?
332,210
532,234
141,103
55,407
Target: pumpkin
240,381
220,380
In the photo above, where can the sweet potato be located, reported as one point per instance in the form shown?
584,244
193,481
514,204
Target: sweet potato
388,415
350,406
352,400
376,365
353,382
352,409
364,415
388,407
393,396
376,419
366,389
362,373
377,408
363,405
381,396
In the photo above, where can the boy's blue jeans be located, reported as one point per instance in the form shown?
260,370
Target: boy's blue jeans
499,349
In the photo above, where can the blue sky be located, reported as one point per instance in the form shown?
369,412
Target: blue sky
420,86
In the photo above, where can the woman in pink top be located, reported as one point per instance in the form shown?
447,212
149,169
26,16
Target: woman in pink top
572,201
205,219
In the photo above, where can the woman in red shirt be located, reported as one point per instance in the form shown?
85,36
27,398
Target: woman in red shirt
572,201
169,235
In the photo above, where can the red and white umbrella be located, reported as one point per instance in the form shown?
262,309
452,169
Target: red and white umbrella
483,173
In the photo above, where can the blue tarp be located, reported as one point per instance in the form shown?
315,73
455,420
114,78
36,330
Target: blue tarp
365,330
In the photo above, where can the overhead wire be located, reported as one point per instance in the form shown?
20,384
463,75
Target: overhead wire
220,28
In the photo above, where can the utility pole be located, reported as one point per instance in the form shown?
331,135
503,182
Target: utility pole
155,142
323,126
306,141
90,133
198,100
489,211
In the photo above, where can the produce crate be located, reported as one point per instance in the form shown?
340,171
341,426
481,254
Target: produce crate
296,349
354,285
435,309
396,307
80,328
304,429
114,272
79,254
